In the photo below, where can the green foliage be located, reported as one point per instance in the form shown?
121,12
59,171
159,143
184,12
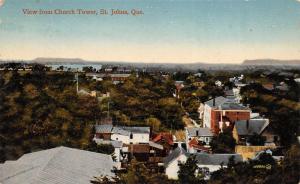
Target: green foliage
223,142
138,99
256,140
40,110
101,148
187,172
281,108
262,171
137,172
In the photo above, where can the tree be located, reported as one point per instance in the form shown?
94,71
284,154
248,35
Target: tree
137,173
154,123
223,143
187,173
256,140
101,148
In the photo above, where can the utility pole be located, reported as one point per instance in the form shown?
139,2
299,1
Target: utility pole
107,109
77,85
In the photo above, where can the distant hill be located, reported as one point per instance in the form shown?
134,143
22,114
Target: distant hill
271,62
58,60
247,65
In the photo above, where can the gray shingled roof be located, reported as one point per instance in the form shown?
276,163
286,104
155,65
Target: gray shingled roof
216,159
103,128
120,75
205,132
232,106
128,130
225,104
255,126
57,165
172,156
218,101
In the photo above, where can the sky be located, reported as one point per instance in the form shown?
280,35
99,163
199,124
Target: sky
169,31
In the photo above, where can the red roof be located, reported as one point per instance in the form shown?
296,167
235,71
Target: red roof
196,145
164,136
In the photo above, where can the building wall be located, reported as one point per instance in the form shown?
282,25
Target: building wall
173,168
237,115
136,139
231,115
207,116
104,136
117,154
214,121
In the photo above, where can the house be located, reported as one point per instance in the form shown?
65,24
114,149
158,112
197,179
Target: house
195,146
172,161
198,139
165,140
244,129
222,112
118,78
140,152
103,131
131,135
208,163
57,165
127,135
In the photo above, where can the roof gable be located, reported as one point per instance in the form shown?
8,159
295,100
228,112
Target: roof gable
254,126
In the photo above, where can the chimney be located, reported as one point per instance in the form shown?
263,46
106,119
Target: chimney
197,133
214,101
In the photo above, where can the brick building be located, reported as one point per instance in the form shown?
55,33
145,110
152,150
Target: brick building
221,112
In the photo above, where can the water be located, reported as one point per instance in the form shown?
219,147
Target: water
74,67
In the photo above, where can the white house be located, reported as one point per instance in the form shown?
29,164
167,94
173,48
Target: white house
172,161
197,139
131,135
207,163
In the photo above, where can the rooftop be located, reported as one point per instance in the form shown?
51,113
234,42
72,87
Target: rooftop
175,154
252,126
128,130
57,165
216,159
223,103
103,128
195,132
